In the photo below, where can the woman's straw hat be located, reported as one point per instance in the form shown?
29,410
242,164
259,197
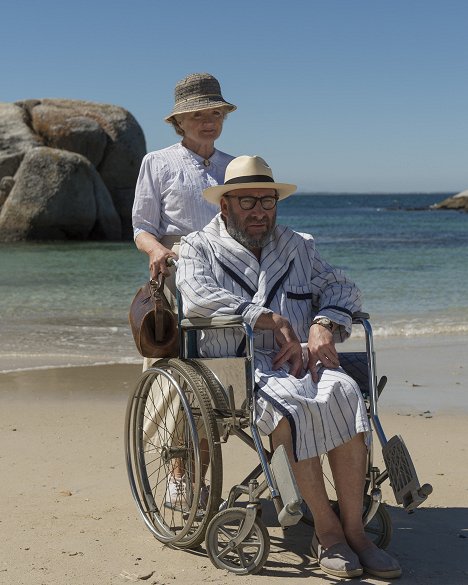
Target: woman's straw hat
198,91
248,172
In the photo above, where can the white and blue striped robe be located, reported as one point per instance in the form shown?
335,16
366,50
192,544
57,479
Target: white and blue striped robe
218,276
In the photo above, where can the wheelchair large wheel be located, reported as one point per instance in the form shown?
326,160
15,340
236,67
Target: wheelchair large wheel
249,556
216,389
171,431
379,528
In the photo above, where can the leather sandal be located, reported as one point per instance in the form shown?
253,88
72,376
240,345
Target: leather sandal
378,563
338,560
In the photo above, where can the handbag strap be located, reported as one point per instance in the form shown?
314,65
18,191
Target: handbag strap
156,289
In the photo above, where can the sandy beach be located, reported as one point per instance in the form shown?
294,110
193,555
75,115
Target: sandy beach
67,515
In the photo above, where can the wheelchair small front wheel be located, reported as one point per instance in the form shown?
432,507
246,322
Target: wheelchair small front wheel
249,555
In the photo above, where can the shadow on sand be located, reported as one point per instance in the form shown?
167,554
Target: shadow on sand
430,544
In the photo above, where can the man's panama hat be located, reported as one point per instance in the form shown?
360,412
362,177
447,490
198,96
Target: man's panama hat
248,172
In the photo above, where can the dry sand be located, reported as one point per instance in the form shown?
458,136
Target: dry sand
67,515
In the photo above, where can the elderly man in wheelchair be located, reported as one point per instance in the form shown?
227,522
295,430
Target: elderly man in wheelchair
264,292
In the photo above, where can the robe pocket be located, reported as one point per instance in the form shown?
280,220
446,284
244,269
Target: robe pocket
300,293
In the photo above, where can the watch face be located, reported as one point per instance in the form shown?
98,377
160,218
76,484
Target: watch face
325,322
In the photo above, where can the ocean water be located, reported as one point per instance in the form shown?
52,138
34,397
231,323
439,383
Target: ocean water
67,303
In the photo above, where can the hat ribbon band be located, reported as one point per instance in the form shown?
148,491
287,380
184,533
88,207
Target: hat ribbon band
197,97
250,179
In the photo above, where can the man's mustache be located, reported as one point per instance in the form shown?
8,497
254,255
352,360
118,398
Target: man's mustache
256,222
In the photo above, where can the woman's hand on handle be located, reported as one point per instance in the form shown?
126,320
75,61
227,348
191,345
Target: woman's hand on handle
157,254
158,258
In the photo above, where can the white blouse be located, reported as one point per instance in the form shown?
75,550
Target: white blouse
168,194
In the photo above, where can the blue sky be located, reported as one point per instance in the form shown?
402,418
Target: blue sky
337,95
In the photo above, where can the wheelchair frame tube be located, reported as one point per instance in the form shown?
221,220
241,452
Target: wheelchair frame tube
250,389
373,394
185,325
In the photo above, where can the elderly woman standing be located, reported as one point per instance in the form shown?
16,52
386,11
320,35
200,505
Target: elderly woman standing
169,204
168,196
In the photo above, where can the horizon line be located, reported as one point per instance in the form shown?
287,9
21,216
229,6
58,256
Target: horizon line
438,193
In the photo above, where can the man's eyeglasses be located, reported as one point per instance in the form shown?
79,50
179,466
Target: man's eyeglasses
246,203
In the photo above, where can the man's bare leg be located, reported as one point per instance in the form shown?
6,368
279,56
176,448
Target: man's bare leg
348,465
309,477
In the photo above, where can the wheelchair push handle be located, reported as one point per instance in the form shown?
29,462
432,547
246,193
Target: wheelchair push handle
360,316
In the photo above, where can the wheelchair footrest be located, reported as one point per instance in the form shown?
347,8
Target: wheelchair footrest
402,475
291,512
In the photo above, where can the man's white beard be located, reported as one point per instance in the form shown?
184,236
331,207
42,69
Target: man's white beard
249,242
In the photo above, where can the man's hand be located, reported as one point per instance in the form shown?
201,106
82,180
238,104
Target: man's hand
321,347
290,348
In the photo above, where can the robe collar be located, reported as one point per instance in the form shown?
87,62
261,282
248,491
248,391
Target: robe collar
261,276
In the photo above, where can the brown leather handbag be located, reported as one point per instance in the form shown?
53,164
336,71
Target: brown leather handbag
153,323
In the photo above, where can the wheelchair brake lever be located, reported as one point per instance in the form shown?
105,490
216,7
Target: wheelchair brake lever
381,385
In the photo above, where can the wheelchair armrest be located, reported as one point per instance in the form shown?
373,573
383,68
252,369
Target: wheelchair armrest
213,322
359,316
236,320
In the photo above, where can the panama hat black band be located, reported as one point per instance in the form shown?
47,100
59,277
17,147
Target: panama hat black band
197,97
250,179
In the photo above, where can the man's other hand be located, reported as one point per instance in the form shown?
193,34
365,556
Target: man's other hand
321,347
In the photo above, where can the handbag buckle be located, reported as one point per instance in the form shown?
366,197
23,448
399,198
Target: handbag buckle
157,285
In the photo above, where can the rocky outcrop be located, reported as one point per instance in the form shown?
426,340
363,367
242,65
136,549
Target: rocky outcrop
459,202
68,169
16,137
58,195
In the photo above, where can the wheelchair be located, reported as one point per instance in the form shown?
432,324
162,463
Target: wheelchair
181,413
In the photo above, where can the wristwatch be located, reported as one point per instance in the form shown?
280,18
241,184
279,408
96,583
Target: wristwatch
324,322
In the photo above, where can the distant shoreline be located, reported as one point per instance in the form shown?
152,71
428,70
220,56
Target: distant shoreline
376,193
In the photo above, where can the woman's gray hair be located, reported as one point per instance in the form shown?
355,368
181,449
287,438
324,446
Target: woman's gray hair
178,129
176,126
